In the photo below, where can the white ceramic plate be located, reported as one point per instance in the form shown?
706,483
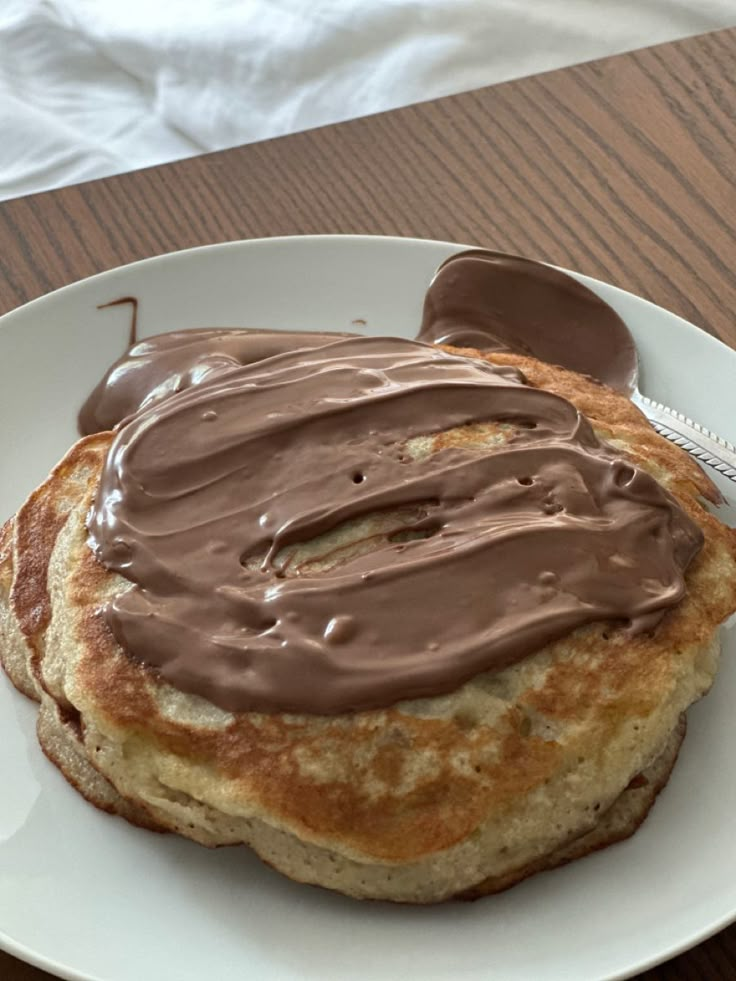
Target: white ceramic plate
87,896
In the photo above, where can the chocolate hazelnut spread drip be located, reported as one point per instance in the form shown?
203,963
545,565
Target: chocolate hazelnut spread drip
157,367
478,299
510,547
492,301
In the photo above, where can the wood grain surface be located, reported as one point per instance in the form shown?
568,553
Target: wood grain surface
621,168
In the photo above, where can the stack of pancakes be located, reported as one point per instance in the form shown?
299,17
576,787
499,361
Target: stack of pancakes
456,795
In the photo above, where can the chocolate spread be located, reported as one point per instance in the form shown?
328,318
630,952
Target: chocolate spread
478,298
492,301
157,367
510,548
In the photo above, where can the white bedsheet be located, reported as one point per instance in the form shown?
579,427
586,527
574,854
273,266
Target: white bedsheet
94,87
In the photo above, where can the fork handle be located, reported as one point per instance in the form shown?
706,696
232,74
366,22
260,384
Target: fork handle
700,442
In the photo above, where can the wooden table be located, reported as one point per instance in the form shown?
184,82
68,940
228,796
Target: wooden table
621,168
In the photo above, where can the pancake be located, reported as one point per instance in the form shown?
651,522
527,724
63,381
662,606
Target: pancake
60,737
457,794
15,652
619,822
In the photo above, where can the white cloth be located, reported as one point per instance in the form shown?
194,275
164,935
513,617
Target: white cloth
94,87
